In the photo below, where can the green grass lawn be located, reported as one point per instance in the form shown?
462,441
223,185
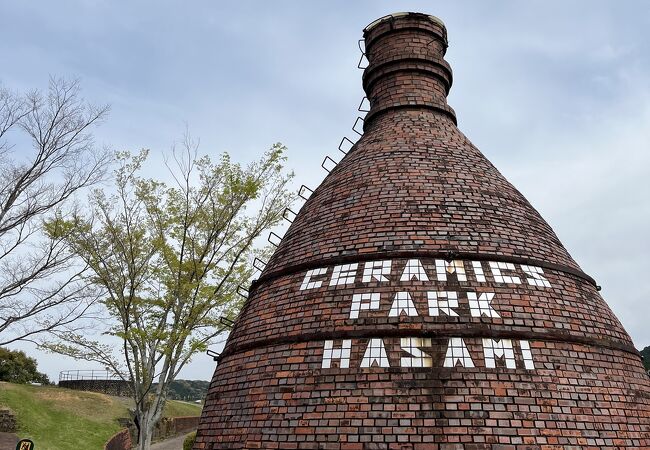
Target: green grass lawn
64,419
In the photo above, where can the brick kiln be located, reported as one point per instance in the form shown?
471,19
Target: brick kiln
419,301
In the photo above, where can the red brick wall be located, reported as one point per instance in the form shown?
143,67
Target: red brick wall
119,441
570,308
173,426
580,396
414,187
183,424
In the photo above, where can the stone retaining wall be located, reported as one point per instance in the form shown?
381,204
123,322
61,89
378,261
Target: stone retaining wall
118,388
7,420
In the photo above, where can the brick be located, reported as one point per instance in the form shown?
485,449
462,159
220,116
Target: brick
414,187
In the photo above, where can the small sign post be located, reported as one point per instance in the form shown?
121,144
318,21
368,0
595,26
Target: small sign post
25,444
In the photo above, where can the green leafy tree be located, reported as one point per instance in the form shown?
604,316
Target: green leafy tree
170,258
17,367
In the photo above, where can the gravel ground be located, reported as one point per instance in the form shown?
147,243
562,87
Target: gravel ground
170,444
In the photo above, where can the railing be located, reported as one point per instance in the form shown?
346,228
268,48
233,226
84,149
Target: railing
73,375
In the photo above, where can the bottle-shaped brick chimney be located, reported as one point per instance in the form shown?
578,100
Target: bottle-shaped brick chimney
419,301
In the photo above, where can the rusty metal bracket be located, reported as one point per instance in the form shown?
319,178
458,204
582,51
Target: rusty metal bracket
257,262
242,291
363,54
289,210
278,239
214,355
226,322
325,160
302,190
345,152
360,108
354,127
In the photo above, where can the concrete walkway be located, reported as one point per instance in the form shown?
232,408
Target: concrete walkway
8,441
170,444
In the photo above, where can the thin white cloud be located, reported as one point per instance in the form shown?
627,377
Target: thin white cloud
555,94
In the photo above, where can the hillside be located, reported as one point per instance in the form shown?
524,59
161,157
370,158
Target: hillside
189,390
63,419
646,357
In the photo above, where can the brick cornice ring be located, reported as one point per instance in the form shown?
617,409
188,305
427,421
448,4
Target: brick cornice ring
428,67
373,114
372,36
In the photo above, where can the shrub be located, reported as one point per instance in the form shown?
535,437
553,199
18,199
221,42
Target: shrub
188,443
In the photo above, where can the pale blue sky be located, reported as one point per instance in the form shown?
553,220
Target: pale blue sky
556,94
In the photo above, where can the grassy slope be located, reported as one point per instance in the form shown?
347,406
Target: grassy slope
177,408
64,419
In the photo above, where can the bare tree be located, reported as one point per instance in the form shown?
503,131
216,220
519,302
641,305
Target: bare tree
47,155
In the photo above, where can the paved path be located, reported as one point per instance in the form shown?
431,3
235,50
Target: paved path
8,441
170,444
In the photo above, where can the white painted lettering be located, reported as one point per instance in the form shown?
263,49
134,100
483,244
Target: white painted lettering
308,284
414,270
536,276
480,306
375,354
344,274
501,349
437,305
402,304
361,302
342,354
418,358
443,267
478,271
528,356
457,353
497,267
497,353
376,270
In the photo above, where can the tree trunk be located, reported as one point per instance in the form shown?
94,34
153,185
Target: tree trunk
147,425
